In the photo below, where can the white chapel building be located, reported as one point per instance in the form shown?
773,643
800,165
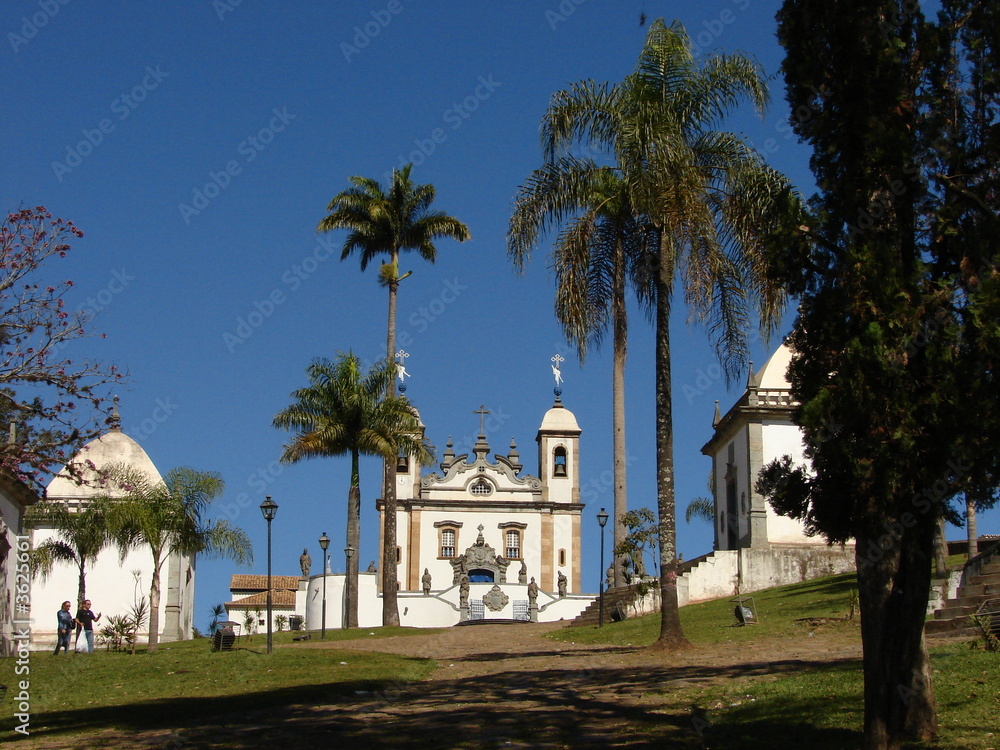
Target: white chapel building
112,585
755,548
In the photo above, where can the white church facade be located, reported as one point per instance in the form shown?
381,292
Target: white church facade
479,540
112,584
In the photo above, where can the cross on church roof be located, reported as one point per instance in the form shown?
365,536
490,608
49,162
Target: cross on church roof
482,411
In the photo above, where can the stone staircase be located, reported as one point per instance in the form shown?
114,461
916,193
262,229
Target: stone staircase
954,618
612,598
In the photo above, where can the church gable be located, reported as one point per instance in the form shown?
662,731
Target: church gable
480,480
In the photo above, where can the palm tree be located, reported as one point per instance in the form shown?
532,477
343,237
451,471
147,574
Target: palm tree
80,537
167,515
388,222
713,203
591,258
345,411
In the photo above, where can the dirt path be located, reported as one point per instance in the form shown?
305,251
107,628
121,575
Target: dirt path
507,686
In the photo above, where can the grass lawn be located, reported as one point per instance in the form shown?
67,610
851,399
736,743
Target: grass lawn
812,708
83,692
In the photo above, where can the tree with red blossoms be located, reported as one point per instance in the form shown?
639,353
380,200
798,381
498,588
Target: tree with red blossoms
50,405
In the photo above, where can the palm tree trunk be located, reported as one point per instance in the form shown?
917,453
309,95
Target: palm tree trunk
353,538
671,634
972,532
81,589
154,606
390,573
620,324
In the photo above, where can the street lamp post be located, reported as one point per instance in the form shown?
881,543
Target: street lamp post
602,518
348,553
324,544
269,508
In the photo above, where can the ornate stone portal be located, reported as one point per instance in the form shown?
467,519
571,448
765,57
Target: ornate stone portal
480,556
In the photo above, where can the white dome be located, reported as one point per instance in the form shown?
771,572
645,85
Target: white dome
774,374
114,447
559,419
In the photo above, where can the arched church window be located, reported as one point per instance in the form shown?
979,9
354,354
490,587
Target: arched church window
559,462
399,555
447,543
513,546
403,464
481,487
562,558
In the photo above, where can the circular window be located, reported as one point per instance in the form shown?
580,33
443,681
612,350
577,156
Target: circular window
481,487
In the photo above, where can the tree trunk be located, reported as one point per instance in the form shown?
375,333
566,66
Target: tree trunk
81,589
671,634
353,539
154,607
894,576
390,571
620,323
971,530
940,550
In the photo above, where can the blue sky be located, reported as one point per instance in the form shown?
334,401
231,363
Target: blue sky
197,146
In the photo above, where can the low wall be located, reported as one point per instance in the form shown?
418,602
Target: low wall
728,572
438,609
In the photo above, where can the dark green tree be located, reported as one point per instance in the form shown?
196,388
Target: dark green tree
895,344
386,222
345,411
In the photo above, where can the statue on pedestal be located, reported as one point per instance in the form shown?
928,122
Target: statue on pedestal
522,574
425,582
305,562
463,591
532,593
561,583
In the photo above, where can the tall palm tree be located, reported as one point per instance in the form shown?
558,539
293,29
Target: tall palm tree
345,411
168,516
80,537
591,258
713,203
386,222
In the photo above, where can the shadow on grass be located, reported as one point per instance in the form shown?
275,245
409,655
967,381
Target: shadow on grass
645,707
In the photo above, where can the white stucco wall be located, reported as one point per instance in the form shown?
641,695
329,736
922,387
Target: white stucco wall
781,439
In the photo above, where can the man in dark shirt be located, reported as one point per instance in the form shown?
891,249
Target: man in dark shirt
64,627
86,618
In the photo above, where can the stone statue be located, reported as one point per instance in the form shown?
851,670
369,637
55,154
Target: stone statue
463,591
532,592
522,574
372,568
609,577
561,583
305,562
425,581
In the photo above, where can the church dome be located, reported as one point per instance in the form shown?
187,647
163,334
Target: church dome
774,374
559,419
113,447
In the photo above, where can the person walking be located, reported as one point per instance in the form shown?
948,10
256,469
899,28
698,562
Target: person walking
64,627
85,619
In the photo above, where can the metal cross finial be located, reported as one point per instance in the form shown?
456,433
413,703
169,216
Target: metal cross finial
555,368
482,411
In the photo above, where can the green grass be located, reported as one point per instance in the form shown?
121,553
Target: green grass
781,611
79,693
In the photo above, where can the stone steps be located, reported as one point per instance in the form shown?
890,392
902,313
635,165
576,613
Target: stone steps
591,616
954,618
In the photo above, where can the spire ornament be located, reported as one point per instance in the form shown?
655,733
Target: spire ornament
557,373
401,372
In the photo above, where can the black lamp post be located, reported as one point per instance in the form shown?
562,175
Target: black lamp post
348,553
324,544
602,518
269,508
